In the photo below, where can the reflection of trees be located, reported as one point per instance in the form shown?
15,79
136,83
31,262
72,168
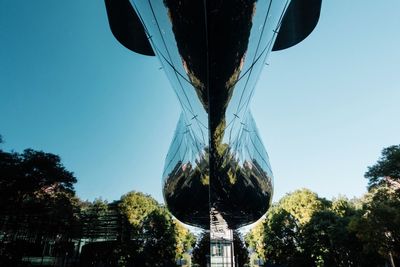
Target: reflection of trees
186,192
228,31
212,49
213,55
240,191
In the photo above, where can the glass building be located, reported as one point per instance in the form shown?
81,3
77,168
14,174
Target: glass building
217,174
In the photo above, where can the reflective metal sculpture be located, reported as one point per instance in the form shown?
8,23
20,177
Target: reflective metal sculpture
217,174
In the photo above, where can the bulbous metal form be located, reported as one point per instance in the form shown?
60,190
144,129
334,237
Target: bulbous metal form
217,170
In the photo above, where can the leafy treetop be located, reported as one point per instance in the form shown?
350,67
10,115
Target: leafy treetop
387,169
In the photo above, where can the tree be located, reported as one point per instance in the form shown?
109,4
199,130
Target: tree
387,169
378,225
239,246
279,238
91,215
11,177
305,230
185,240
302,204
255,240
342,207
161,239
202,249
37,200
34,182
328,242
137,206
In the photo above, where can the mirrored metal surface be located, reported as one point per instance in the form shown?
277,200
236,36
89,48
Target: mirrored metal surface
217,169
217,174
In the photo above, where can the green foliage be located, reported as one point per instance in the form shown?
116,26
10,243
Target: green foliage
137,206
305,230
37,203
202,249
163,238
327,233
239,246
91,215
378,223
387,169
327,241
342,207
36,185
280,237
159,238
255,240
185,240
302,229
302,204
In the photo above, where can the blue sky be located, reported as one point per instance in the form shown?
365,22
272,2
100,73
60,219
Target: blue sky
324,108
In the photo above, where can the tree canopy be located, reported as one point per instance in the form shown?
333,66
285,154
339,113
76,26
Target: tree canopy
35,184
164,238
387,169
341,232
38,204
378,223
137,206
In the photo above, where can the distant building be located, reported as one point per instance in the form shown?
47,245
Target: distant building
41,242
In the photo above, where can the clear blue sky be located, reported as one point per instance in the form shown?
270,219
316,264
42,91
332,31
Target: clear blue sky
324,108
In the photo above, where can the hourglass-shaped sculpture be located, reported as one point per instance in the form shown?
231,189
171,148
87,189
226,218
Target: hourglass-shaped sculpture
217,174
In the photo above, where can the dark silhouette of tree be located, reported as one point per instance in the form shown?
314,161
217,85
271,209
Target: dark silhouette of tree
31,177
35,182
37,202
38,207
378,226
328,242
202,249
387,169
159,238
281,238
241,252
10,179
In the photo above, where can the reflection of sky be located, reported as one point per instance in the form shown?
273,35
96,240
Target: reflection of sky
160,29
324,108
